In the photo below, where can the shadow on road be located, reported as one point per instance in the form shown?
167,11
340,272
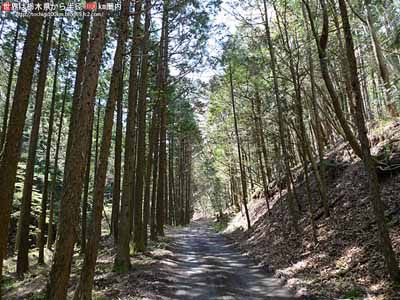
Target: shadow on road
206,267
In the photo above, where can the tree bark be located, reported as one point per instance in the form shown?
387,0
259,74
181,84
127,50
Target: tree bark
85,198
75,168
343,64
383,69
96,153
50,239
153,228
85,285
292,210
138,236
182,166
171,181
308,195
117,162
319,173
9,85
80,71
150,166
322,43
375,196
162,156
26,201
11,151
77,91
260,149
242,171
188,184
42,217
122,260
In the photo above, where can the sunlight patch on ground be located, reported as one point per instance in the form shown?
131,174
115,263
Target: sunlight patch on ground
350,256
299,266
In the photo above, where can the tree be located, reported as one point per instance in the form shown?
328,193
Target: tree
122,259
85,196
242,172
261,148
383,69
322,43
9,85
75,168
42,218
77,90
84,289
50,230
117,163
162,149
138,235
25,216
151,169
375,197
12,146
292,209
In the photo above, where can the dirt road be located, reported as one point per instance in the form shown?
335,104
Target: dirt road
206,267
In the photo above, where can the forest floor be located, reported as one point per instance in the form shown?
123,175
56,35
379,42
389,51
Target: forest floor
346,262
193,262
144,281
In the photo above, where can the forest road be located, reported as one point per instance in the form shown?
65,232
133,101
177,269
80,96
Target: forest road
206,267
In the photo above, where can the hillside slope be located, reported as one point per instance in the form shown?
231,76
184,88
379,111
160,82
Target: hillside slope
346,262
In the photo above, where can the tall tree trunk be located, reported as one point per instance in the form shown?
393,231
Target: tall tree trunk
171,181
117,162
42,217
122,260
308,194
177,186
260,142
188,183
364,85
319,172
96,153
84,289
138,236
77,90
247,161
166,196
26,201
234,188
162,156
242,171
344,68
304,143
380,61
375,196
50,233
182,181
153,227
85,198
149,167
322,43
80,71
377,95
75,168
9,85
11,151
292,210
